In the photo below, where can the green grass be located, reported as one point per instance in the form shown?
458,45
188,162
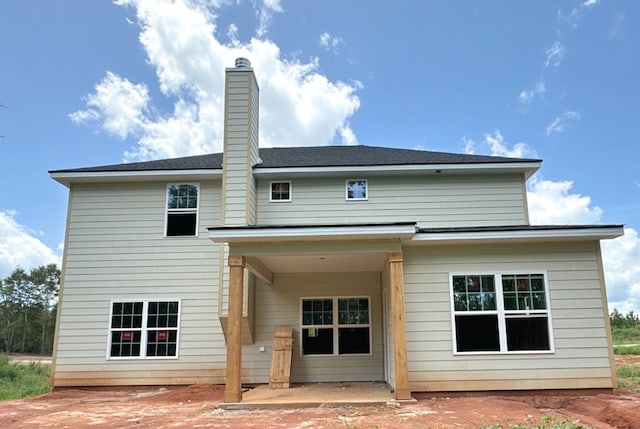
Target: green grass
629,378
21,381
547,422
626,350
626,335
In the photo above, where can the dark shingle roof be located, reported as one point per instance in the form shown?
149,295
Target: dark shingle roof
311,156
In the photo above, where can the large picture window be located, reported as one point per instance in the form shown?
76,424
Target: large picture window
325,334
182,209
500,313
144,329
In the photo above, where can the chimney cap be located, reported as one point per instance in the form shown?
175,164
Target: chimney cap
243,63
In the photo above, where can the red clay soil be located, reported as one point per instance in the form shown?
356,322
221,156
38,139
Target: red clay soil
194,406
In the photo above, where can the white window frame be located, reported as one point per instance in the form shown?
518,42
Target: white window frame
143,329
271,200
335,326
501,313
366,189
167,210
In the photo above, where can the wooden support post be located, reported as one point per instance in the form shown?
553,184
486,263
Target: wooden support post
233,387
398,323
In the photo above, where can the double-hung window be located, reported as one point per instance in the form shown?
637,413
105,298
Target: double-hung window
501,313
144,329
336,326
182,209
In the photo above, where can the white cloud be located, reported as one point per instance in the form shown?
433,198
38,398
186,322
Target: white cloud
499,147
553,203
622,271
265,12
469,145
330,43
20,248
555,54
298,105
118,104
559,122
527,95
589,3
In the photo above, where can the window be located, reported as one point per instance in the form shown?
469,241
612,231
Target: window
501,313
144,329
280,192
182,210
324,334
356,190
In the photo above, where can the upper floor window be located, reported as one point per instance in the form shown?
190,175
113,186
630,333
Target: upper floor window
280,192
357,189
501,313
182,209
144,329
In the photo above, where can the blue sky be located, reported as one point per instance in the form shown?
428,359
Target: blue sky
91,83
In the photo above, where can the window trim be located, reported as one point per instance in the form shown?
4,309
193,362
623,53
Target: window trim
272,182
167,210
346,190
143,330
335,326
501,313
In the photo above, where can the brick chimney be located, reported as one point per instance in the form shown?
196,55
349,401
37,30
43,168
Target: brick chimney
240,145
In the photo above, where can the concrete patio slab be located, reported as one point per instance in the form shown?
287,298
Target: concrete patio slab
316,395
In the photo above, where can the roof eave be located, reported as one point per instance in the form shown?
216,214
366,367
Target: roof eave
68,177
579,233
528,168
249,234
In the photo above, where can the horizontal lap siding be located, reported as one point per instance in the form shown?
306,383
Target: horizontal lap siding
279,304
432,201
116,250
581,358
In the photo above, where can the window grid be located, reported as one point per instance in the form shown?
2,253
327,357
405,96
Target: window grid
350,332
280,192
519,324
357,189
143,329
182,209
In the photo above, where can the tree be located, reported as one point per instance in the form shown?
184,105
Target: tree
27,309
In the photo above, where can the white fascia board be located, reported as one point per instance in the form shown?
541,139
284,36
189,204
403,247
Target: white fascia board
527,167
523,235
66,178
312,233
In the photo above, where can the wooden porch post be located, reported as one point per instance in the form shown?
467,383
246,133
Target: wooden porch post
233,387
399,326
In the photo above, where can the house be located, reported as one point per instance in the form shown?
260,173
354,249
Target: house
412,267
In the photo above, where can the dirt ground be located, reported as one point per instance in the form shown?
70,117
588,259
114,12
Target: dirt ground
195,407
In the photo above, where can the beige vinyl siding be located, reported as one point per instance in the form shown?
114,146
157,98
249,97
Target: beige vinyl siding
279,304
431,200
240,148
581,358
116,250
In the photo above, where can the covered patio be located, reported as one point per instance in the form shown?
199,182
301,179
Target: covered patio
265,250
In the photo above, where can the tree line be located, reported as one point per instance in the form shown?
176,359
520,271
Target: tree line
624,321
28,304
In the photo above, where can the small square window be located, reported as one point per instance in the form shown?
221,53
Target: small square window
280,192
357,190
